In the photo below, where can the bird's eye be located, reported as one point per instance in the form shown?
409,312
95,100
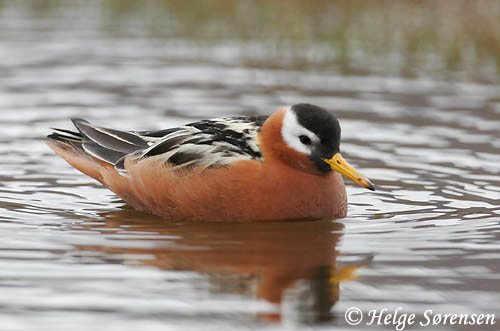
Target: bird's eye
305,140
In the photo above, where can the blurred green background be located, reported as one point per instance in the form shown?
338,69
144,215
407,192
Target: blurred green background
454,40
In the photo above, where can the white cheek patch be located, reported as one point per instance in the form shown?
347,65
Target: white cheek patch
291,130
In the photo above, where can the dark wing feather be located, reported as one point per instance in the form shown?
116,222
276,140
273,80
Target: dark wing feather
209,142
102,153
157,133
120,141
165,145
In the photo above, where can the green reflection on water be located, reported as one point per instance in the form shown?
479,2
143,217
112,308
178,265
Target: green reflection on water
407,38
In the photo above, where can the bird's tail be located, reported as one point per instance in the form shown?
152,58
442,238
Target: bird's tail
69,145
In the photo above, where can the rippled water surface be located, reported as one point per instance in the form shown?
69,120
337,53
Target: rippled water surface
74,257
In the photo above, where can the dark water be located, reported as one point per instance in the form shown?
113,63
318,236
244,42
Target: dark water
74,257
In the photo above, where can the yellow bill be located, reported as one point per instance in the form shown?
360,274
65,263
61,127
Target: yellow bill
338,164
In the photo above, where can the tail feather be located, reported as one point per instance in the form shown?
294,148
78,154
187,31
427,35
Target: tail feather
69,133
72,151
106,145
64,139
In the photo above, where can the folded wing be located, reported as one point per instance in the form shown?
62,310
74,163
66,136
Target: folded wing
206,143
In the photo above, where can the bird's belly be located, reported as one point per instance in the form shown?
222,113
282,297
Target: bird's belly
281,194
244,191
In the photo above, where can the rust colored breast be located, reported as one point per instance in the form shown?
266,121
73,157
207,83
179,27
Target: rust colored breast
244,191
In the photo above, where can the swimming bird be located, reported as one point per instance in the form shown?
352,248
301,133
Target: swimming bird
282,167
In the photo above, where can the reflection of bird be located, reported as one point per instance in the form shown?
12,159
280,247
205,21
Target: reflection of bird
253,259
234,168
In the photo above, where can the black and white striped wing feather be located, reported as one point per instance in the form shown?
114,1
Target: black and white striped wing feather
205,144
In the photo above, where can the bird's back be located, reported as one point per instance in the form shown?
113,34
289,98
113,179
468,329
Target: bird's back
204,144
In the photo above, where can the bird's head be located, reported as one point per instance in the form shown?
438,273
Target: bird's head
307,137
